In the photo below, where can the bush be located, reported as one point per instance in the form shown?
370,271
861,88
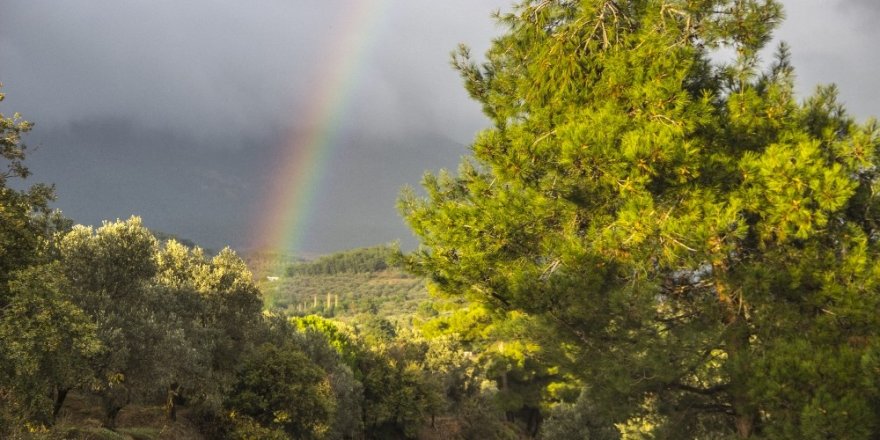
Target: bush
281,389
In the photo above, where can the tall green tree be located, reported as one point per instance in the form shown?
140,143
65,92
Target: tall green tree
234,306
330,346
704,246
280,388
47,344
110,271
44,337
23,212
169,318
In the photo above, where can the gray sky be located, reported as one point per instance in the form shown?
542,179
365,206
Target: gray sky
176,111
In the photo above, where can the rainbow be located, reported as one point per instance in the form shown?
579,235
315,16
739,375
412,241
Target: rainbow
295,183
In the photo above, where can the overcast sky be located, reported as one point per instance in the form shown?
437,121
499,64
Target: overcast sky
176,111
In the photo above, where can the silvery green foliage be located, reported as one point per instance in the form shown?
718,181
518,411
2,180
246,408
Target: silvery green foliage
577,421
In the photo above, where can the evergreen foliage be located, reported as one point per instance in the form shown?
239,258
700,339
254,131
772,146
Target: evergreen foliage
362,260
702,245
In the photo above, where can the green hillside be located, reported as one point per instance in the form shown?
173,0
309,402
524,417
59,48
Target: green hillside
344,285
264,264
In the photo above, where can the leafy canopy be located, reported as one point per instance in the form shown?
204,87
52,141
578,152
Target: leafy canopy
702,245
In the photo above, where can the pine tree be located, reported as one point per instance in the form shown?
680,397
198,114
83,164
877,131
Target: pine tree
703,246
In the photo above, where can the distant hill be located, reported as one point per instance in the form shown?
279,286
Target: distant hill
361,260
344,285
272,264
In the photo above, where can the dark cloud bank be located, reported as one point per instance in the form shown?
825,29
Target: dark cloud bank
177,111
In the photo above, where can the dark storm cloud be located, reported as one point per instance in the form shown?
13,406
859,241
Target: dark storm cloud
212,70
113,168
220,69
178,110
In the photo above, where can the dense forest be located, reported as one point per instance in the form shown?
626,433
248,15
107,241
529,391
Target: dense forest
649,242
363,260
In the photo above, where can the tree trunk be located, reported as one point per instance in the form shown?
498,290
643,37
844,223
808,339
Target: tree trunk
111,411
737,348
746,412
171,401
60,396
113,403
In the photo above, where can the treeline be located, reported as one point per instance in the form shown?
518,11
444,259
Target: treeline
112,314
371,259
115,316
